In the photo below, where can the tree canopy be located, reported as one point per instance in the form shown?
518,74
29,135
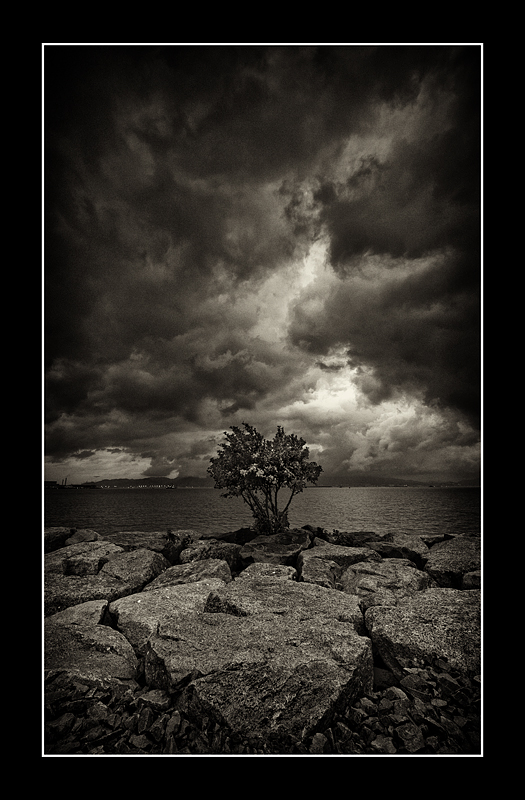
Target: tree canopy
257,469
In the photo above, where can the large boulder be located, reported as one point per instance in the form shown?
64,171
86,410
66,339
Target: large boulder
168,543
269,658
89,652
138,616
63,591
135,568
83,535
82,558
192,572
449,561
438,623
92,612
96,571
320,571
263,686
387,582
204,549
280,548
324,563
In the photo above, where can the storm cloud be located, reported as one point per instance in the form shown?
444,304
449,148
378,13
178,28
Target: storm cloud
283,235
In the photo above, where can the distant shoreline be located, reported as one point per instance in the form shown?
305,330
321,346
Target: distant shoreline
90,487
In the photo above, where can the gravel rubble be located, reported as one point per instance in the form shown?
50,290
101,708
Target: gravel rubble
432,710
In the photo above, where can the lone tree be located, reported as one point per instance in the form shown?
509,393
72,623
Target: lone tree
256,469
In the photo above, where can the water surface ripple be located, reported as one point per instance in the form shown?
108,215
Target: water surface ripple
420,510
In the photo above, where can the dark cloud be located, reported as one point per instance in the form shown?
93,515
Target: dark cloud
407,206
185,190
412,323
406,329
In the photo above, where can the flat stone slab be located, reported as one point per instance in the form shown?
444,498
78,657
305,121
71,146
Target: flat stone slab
436,623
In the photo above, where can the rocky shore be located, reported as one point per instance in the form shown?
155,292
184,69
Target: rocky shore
306,643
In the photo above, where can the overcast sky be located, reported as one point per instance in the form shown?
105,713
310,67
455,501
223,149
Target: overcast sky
275,234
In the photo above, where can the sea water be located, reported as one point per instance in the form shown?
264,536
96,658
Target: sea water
411,510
